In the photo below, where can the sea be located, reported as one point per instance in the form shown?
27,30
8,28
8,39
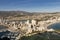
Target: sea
55,26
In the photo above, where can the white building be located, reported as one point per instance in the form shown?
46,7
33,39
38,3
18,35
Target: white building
50,30
34,22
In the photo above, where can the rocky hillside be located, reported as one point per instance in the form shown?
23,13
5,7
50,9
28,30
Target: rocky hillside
13,13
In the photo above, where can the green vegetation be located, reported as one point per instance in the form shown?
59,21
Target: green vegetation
42,36
33,37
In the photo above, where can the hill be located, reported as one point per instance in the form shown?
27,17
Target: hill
13,13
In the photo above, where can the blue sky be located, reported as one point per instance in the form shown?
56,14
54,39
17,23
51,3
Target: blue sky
30,5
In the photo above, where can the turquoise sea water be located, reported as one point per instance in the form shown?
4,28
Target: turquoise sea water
55,26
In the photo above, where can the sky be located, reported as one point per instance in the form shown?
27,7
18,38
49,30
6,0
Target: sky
30,5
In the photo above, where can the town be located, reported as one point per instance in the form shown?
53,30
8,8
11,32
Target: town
25,27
